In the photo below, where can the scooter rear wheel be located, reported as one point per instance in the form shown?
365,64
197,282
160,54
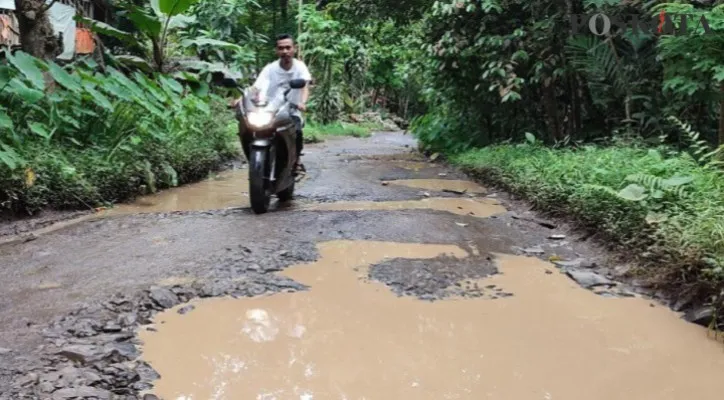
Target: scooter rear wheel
260,198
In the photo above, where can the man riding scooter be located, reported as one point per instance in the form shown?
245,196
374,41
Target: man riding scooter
276,76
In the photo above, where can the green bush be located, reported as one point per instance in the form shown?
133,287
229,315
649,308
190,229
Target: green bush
90,138
665,206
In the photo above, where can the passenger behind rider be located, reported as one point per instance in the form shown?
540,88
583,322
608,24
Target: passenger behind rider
276,76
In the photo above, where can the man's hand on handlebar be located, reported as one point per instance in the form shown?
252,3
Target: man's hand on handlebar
302,107
235,103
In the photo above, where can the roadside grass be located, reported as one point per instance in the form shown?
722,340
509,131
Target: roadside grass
663,207
316,133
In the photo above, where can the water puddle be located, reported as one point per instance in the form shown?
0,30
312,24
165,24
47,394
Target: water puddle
49,286
347,338
391,158
440,185
227,189
176,280
481,208
415,166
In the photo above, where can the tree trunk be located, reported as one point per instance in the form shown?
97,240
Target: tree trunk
36,33
275,11
284,5
551,109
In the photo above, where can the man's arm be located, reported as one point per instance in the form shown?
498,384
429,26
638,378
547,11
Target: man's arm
305,91
259,86
262,81
305,97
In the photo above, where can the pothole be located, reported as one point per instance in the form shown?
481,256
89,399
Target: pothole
481,208
350,338
440,185
227,189
396,157
415,165
49,286
177,281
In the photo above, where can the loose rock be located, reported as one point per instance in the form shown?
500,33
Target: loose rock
701,316
126,350
146,372
683,302
128,319
112,327
534,250
46,387
569,264
84,328
82,392
79,353
163,297
589,279
186,309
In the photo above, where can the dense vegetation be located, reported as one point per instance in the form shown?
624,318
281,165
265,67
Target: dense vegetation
89,138
589,126
622,132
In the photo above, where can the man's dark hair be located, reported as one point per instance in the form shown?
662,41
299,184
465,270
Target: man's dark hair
284,36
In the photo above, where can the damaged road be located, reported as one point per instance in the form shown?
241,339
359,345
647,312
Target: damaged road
402,265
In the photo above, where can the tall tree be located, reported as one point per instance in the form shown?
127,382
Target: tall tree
36,32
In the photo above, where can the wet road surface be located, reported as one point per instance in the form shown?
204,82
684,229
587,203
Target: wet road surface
416,284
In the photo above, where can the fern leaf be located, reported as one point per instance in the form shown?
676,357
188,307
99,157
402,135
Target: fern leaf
602,188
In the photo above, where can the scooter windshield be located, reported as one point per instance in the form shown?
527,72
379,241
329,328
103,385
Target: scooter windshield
263,104
260,112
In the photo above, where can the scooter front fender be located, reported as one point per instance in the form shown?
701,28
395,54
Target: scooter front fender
261,143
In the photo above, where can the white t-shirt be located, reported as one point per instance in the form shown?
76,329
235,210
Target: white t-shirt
273,77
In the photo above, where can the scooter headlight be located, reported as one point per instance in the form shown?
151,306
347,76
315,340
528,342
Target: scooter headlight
259,118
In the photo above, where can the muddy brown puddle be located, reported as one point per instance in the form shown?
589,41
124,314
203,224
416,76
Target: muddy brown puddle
348,338
230,189
440,185
481,208
225,190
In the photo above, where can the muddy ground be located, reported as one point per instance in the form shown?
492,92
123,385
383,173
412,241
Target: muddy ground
71,299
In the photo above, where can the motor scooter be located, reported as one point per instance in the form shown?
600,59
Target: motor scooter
268,137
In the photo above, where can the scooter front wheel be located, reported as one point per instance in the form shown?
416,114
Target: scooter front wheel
260,198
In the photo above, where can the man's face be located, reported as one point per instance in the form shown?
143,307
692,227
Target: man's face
285,48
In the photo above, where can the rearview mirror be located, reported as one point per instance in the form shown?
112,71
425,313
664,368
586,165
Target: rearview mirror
297,83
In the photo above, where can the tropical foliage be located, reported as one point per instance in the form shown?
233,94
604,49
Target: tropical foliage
622,131
84,137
